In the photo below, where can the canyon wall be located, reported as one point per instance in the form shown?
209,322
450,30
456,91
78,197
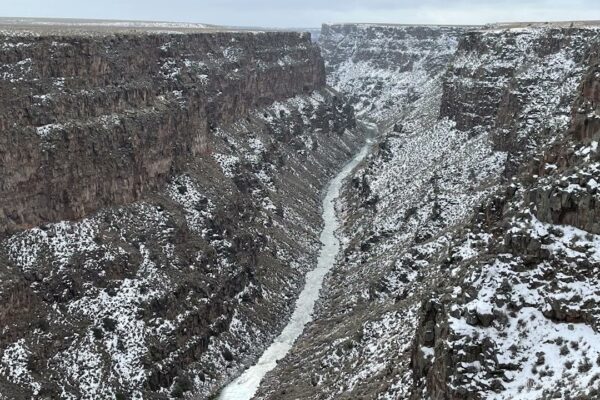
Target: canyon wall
385,68
92,120
517,84
523,289
470,240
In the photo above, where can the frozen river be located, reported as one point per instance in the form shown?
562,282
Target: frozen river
244,387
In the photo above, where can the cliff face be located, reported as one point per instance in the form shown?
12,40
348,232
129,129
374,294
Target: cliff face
96,120
454,283
204,156
386,68
518,84
574,201
523,289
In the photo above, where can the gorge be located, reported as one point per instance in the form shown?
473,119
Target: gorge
164,197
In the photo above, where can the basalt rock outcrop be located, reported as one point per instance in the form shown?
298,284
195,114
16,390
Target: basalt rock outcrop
94,120
520,311
572,199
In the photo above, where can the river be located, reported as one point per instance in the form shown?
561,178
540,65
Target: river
245,386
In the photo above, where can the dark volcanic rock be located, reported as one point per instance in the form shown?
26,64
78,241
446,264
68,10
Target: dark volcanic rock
90,121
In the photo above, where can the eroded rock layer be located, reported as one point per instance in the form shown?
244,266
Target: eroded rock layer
96,120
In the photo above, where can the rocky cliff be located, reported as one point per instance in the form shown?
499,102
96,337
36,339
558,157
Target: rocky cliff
175,179
385,68
91,121
470,237
518,316
517,84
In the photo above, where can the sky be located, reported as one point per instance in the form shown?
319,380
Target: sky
308,13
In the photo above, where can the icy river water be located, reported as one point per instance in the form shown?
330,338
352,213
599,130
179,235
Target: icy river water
244,387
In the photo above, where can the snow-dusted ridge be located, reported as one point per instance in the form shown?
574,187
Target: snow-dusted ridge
540,24
11,26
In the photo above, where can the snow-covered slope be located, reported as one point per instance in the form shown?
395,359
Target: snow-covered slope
517,316
389,324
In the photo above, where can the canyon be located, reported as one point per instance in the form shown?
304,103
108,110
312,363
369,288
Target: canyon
162,195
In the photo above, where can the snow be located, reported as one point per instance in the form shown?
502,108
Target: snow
198,208
106,23
16,72
534,354
125,343
14,365
412,229
43,98
170,69
568,240
233,54
228,163
46,130
83,365
384,68
545,337
57,243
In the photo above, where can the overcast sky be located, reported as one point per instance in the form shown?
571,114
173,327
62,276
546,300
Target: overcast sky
308,13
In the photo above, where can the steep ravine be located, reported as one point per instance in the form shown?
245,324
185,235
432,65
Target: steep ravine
160,211
160,202
244,387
